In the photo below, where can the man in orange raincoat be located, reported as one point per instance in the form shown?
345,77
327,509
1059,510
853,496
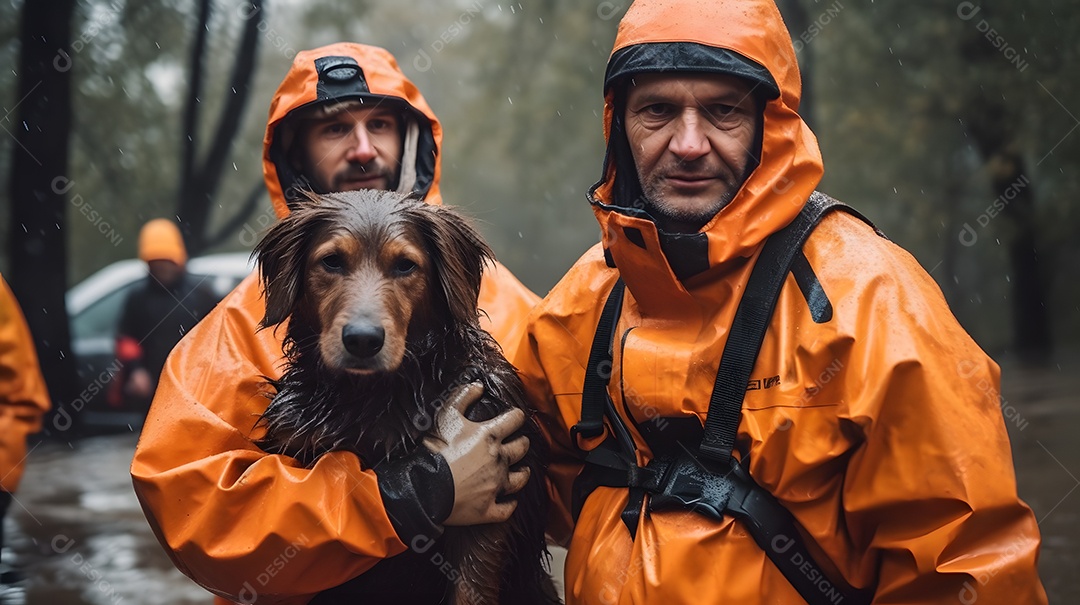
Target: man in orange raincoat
23,396
255,527
869,414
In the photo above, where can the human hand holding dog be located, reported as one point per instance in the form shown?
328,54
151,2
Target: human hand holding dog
479,459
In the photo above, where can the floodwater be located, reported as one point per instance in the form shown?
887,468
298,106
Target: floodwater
78,534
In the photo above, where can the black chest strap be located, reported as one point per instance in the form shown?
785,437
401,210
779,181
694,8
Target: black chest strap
710,481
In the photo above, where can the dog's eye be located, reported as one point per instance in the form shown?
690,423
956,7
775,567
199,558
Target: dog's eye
404,266
332,262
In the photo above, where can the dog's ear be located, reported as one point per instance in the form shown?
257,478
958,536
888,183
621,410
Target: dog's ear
282,256
459,254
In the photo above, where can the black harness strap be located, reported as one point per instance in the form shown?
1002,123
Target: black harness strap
598,370
748,328
718,484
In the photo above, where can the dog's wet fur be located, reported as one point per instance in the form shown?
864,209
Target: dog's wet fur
380,293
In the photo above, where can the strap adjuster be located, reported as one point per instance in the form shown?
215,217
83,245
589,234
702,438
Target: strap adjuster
587,429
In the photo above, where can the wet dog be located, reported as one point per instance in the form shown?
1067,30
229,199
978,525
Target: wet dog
380,293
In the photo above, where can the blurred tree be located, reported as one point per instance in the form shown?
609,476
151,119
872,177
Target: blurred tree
798,22
199,184
39,181
950,124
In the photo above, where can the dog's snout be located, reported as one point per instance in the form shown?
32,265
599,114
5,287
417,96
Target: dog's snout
363,339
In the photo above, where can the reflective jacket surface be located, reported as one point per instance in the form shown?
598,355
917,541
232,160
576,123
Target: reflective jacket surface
878,426
245,524
23,396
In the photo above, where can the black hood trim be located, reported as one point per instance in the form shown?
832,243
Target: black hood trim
689,57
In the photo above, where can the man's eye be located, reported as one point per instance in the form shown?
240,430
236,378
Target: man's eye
404,266
333,262
379,125
336,128
656,110
720,110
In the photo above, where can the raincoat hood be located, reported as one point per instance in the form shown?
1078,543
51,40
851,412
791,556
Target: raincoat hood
745,39
350,72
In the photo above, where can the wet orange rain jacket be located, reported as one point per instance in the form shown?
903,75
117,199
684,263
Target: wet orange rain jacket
881,431
240,522
23,396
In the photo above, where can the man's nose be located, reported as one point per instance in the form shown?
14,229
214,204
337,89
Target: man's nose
688,141
361,149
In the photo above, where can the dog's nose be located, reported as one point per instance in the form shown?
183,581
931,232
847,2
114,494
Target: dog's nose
363,339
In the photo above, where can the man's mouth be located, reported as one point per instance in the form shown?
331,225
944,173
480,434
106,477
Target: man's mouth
367,181
690,181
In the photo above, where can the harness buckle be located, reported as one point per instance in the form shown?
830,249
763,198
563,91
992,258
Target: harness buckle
688,484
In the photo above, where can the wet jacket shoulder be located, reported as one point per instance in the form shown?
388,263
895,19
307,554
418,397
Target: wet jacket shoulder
23,396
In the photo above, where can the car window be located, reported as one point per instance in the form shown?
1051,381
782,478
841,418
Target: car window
219,284
100,318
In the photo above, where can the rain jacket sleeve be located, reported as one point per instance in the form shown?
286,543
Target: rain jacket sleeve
929,498
23,396
243,523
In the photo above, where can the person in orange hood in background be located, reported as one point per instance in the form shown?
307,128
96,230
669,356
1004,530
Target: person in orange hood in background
865,457
23,401
260,528
156,314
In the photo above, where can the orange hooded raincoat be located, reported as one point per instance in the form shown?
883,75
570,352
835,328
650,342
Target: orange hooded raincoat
247,525
23,396
878,428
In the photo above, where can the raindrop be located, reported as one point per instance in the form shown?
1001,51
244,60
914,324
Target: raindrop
511,100
520,235
234,167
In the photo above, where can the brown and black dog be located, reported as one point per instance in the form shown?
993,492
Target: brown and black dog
380,293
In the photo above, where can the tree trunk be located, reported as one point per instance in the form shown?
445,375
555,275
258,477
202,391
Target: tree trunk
189,224
200,182
994,125
1030,315
39,186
